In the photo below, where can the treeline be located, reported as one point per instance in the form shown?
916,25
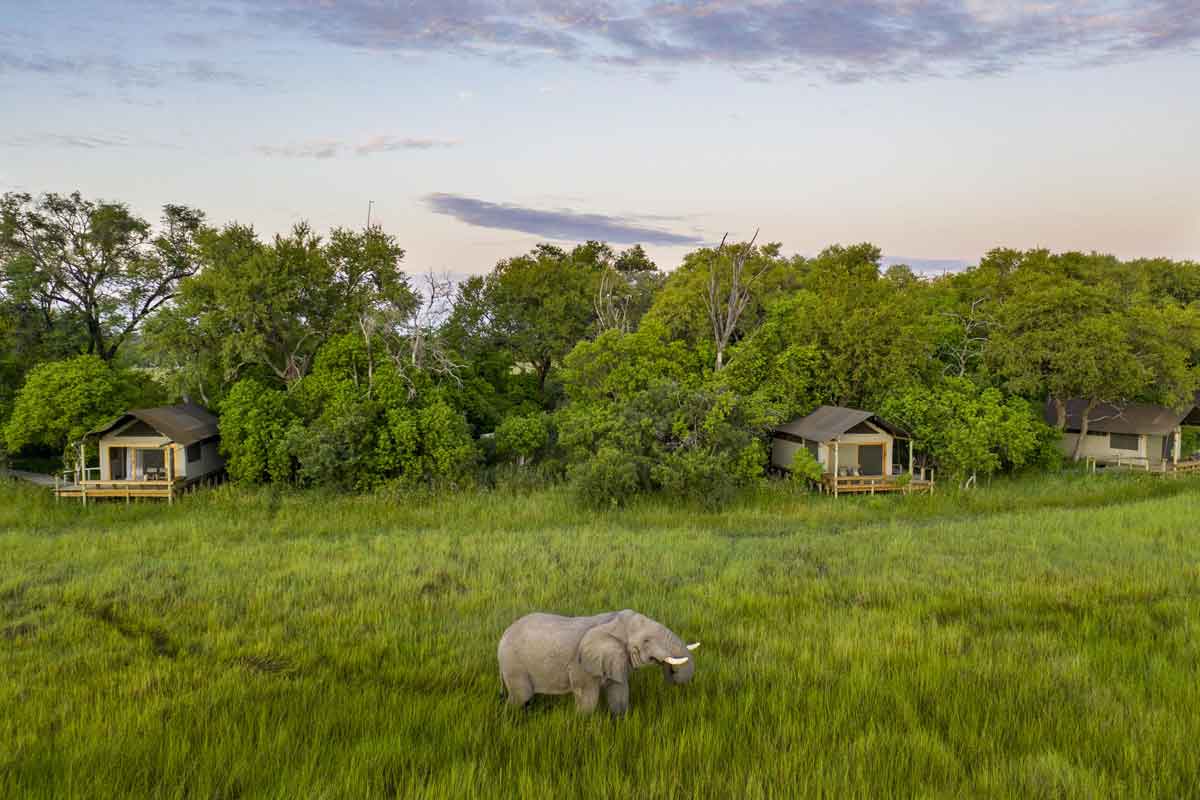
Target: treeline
331,366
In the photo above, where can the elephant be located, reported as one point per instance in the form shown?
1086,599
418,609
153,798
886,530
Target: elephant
548,654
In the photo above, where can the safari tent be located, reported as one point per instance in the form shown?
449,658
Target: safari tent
856,449
1133,434
148,452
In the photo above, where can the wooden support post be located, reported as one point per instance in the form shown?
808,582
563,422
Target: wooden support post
836,454
56,487
910,457
170,474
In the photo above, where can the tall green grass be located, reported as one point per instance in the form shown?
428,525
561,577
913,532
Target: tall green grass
1039,639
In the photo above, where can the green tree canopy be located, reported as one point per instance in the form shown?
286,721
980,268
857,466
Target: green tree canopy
967,431
60,401
268,307
1072,326
95,261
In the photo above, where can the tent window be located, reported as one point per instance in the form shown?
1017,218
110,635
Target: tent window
193,453
1124,441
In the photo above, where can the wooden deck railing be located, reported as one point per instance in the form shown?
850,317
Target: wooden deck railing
1142,464
127,489
875,484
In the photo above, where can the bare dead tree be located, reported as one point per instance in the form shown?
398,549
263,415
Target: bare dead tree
974,325
413,340
611,304
725,312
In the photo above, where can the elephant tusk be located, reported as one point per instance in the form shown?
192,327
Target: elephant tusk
675,662
693,645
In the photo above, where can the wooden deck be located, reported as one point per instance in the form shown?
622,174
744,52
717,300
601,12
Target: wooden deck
123,490
1134,464
855,484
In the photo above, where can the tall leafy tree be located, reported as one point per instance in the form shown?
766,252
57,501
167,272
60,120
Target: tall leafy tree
270,306
540,304
96,261
850,335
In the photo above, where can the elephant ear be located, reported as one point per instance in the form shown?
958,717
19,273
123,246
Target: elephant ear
602,652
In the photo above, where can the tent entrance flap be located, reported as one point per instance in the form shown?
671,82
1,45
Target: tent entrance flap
870,459
116,463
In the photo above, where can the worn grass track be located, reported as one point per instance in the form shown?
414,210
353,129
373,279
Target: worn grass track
1038,639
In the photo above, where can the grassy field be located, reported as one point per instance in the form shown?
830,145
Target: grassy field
1036,639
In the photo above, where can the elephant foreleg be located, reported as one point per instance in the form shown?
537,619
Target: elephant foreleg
617,695
587,697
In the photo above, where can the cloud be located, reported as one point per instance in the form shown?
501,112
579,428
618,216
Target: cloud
563,224
123,73
389,144
846,41
71,140
331,148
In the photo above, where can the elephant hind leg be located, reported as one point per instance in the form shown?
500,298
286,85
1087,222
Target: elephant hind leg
519,687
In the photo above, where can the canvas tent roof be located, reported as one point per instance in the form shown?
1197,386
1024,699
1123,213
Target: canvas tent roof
829,422
184,424
1132,418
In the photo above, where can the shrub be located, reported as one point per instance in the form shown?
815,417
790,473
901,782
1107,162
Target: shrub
607,479
692,442
971,431
521,437
806,467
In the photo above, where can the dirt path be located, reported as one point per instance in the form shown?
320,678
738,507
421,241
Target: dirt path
31,477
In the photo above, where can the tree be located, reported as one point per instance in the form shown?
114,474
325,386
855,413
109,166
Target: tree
725,310
681,305
271,306
847,336
638,418
627,288
96,261
522,437
540,304
60,401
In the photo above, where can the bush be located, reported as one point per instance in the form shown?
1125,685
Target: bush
520,438
258,430
606,480
806,467
709,478
692,442
971,431
336,450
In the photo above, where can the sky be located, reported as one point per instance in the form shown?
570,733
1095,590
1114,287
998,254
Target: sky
936,129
